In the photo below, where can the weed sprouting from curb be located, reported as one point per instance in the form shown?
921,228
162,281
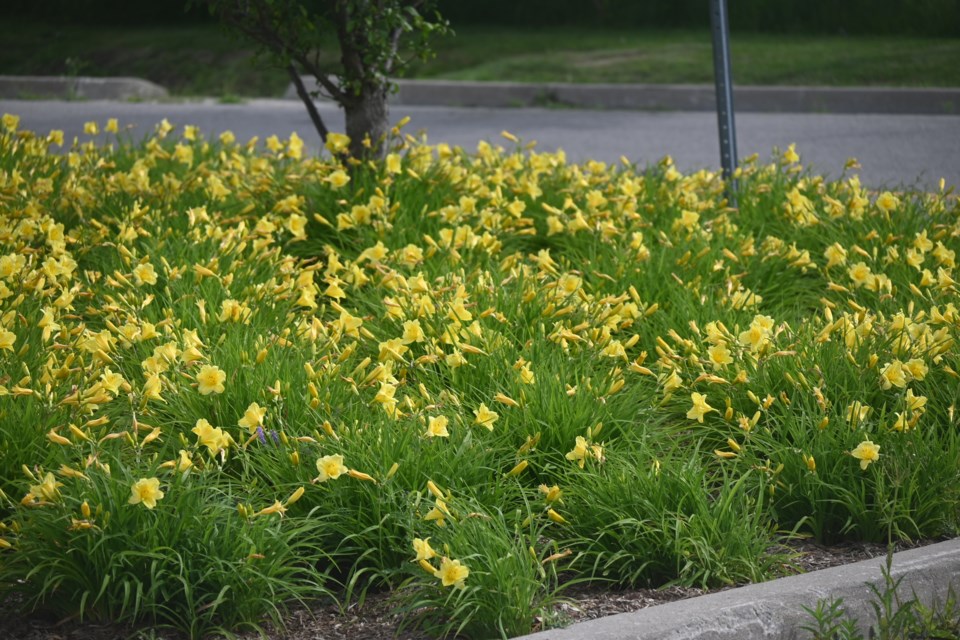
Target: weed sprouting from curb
895,618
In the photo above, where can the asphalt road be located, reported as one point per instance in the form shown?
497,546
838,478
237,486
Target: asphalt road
893,150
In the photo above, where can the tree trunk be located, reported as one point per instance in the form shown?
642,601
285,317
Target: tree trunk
366,116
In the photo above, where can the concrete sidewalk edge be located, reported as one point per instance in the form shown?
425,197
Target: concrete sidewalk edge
775,609
79,88
667,97
645,97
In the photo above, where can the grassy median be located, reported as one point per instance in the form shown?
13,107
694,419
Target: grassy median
204,60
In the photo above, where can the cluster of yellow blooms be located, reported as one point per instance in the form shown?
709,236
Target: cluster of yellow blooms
125,283
450,572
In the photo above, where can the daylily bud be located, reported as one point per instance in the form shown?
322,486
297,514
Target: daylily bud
556,517
518,469
295,496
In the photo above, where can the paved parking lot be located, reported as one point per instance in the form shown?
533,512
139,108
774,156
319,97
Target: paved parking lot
915,150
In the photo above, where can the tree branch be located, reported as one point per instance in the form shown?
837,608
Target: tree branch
311,67
307,100
259,31
394,46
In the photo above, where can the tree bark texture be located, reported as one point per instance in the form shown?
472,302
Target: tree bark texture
367,117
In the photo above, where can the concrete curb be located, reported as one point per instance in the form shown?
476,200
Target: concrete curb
775,609
657,97
645,97
80,87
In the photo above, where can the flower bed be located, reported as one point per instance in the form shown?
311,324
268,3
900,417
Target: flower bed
235,377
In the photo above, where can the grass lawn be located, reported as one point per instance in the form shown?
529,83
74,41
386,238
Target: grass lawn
203,60
233,377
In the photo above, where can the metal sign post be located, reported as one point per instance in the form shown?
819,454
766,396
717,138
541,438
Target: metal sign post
724,85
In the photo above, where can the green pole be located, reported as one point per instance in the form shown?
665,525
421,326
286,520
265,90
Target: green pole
724,90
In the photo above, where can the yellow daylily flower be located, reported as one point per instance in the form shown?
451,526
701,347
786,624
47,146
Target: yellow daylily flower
700,407
452,573
330,468
866,452
146,491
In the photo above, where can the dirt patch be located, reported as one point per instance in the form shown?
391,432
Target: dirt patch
601,59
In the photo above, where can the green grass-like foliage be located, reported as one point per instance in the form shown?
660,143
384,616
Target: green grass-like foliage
235,377
197,565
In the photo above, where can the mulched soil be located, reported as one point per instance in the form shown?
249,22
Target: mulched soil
375,620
